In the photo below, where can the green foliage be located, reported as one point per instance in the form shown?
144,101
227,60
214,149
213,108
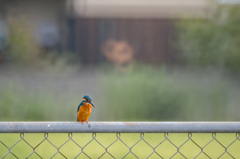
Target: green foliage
212,42
66,62
15,105
141,95
153,94
22,48
146,93
38,95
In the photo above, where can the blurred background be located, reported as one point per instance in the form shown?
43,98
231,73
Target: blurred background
140,60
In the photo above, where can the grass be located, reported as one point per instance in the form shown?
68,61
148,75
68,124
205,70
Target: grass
144,94
149,93
118,149
36,95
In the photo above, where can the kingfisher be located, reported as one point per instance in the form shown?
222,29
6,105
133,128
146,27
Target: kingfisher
84,109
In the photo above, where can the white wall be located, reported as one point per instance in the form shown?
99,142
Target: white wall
141,8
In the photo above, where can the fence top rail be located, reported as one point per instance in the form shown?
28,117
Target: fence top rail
120,127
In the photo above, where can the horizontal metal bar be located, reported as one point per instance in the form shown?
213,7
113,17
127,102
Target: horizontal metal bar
120,127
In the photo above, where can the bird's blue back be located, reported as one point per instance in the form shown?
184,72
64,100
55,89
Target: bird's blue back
81,104
86,97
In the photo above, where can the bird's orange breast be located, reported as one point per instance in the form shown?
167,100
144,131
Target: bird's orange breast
84,112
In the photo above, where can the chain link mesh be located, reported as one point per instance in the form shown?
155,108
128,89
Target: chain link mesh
176,149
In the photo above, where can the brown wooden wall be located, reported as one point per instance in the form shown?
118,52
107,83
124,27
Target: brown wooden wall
150,38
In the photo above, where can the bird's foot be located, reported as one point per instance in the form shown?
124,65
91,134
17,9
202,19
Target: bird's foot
87,122
81,122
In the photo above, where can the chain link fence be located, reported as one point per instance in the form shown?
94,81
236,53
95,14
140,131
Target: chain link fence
122,140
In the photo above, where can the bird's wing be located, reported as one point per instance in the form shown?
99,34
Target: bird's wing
79,106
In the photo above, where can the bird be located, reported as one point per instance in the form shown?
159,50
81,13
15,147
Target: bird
84,109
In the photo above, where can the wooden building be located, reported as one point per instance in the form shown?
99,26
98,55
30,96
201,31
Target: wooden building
146,25
131,29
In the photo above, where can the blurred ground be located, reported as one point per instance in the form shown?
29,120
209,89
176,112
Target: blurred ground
34,92
145,93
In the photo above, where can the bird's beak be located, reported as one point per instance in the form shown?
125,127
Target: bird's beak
93,105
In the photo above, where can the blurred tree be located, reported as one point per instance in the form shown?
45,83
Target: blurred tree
16,40
4,31
22,48
211,42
